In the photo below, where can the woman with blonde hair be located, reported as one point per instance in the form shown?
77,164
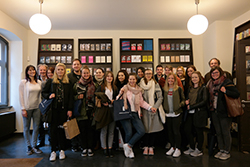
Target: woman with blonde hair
60,90
173,100
180,72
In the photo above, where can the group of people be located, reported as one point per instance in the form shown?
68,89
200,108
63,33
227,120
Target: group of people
178,103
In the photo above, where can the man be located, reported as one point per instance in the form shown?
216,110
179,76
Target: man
214,62
74,77
159,73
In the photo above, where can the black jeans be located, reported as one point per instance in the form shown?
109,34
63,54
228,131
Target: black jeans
173,125
189,128
86,134
149,139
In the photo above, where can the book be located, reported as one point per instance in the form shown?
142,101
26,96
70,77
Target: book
128,59
168,46
138,57
47,60
108,69
144,58
172,46
248,64
87,46
187,58
92,47
123,59
177,46
177,58
174,70
172,58
83,59
43,47
163,46
248,80
95,71
247,48
109,59
182,58
134,69
167,59
128,70
162,59
69,59
182,46
70,47
103,45
42,60
123,68
53,47
97,59
133,46
90,71
97,47
133,58
248,95
103,59
148,44
187,46
150,58
52,59
91,59
82,47
48,47
108,46
125,45
68,70
139,46
63,59
58,47
64,47
58,59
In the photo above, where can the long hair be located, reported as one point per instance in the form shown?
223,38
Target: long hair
216,68
65,78
117,82
201,81
166,86
145,79
105,81
181,67
27,77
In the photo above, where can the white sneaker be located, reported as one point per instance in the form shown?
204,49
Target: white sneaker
189,151
170,151
177,153
224,156
131,154
218,154
61,155
126,149
196,153
52,156
168,145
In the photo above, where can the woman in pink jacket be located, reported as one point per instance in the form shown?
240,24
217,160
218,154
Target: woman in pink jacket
133,93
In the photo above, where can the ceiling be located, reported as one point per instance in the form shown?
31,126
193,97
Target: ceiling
123,14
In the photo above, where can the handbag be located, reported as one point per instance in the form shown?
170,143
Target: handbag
44,106
120,113
77,107
71,128
234,107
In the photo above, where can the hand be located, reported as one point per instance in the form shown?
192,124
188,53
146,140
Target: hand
187,102
112,101
52,96
153,110
188,107
80,96
105,104
24,113
223,89
69,113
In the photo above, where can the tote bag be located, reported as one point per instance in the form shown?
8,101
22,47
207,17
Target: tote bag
234,107
71,128
120,113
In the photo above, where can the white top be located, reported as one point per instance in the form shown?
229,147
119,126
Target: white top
30,94
109,94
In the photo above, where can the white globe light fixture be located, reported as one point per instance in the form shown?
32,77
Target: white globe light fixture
198,23
40,23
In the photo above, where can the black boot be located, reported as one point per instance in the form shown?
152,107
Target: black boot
111,155
106,153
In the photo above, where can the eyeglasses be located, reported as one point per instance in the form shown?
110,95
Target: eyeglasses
216,72
148,73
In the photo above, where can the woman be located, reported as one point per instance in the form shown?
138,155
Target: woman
30,97
173,100
196,101
140,73
190,69
152,123
132,94
85,89
121,79
107,132
98,78
50,72
219,85
181,74
60,89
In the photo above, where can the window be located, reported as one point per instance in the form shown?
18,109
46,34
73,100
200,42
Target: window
3,72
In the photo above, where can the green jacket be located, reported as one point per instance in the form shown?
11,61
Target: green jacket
178,100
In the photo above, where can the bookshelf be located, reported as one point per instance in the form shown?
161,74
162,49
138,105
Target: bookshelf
136,53
175,52
96,53
241,78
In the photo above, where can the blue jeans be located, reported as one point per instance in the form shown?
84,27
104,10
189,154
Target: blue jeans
127,126
35,114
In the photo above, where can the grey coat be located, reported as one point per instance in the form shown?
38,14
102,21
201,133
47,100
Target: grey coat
151,121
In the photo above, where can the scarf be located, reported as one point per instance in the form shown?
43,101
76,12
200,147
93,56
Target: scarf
214,88
150,88
99,81
136,92
90,88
